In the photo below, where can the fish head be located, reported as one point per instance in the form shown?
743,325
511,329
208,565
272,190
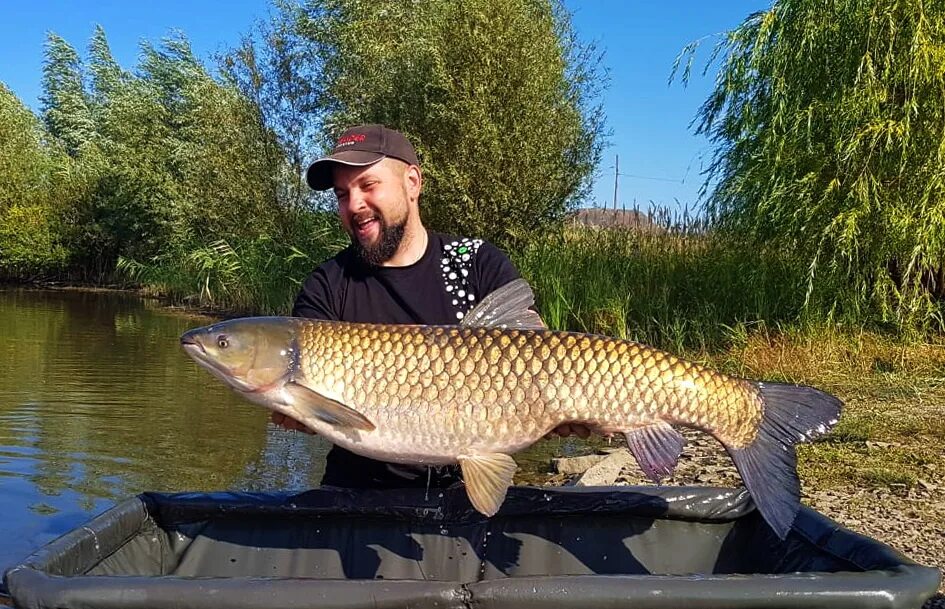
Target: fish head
251,354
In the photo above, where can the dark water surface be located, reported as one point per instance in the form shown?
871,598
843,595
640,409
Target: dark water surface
98,403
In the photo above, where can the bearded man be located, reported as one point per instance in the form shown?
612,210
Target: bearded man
395,271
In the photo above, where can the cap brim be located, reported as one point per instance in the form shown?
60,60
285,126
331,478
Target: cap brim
318,175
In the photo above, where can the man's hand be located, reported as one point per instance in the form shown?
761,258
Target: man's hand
570,429
289,423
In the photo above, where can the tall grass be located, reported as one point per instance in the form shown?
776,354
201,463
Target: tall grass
673,283
669,281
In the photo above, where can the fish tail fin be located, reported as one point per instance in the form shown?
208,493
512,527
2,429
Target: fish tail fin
768,465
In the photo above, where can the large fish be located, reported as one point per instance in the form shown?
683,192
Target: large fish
498,382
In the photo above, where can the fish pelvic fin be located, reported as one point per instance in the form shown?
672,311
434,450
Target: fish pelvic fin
506,307
314,404
656,448
488,478
768,465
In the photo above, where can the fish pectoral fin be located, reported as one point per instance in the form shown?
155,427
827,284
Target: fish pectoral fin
488,477
506,307
656,448
312,403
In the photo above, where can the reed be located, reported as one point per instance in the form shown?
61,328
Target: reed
671,281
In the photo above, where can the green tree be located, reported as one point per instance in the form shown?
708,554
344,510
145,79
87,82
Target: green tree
830,124
170,157
65,103
279,70
33,176
499,97
107,76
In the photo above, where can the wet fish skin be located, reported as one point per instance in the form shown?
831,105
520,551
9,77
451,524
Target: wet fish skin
478,392
434,391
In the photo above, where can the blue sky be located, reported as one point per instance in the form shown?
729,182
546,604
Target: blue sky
660,157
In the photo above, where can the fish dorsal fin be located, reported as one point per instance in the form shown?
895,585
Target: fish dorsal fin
506,307
656,448
487,478
313,404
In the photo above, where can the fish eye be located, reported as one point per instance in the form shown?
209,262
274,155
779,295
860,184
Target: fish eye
222,341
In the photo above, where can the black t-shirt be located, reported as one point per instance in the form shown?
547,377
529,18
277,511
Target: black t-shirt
445,283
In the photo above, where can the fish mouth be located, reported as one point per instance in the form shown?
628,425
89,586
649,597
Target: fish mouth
190,344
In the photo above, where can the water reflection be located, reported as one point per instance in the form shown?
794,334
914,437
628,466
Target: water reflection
98,403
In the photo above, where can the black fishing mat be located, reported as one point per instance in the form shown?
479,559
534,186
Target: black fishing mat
591,548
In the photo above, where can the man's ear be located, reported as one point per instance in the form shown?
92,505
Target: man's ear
413,180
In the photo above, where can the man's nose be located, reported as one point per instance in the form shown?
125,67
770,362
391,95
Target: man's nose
355,201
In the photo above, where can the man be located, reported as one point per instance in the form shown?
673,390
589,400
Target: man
394,271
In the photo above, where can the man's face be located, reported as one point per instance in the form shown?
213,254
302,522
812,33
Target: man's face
374,206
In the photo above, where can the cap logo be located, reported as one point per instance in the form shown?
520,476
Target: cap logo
354,138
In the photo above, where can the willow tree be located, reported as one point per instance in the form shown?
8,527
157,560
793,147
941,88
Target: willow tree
499,97
829,119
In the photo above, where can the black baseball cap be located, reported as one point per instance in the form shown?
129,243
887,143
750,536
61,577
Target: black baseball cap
360,146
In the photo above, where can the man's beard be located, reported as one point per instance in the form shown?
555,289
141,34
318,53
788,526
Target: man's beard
388,242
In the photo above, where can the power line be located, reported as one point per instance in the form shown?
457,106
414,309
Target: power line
655,178
639,177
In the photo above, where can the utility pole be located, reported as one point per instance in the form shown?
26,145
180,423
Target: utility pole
616,175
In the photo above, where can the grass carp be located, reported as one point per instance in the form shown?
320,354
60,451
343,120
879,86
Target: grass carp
477,392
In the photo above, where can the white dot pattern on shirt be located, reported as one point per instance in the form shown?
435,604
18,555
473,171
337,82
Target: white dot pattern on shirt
455,270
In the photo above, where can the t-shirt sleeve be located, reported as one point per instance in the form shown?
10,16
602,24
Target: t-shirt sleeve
493,269
316,298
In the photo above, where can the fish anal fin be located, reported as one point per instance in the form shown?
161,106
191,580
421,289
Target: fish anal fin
487,477
656,447
312,403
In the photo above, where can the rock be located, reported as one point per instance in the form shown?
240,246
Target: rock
575,465
605,473
607,450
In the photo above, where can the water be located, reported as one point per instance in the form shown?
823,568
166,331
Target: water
98,403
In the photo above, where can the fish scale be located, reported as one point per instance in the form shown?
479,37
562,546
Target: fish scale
475,393
471,379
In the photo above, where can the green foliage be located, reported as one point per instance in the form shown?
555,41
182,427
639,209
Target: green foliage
174,157
250,276
279,71
31,168
498,96
830,125
65,103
